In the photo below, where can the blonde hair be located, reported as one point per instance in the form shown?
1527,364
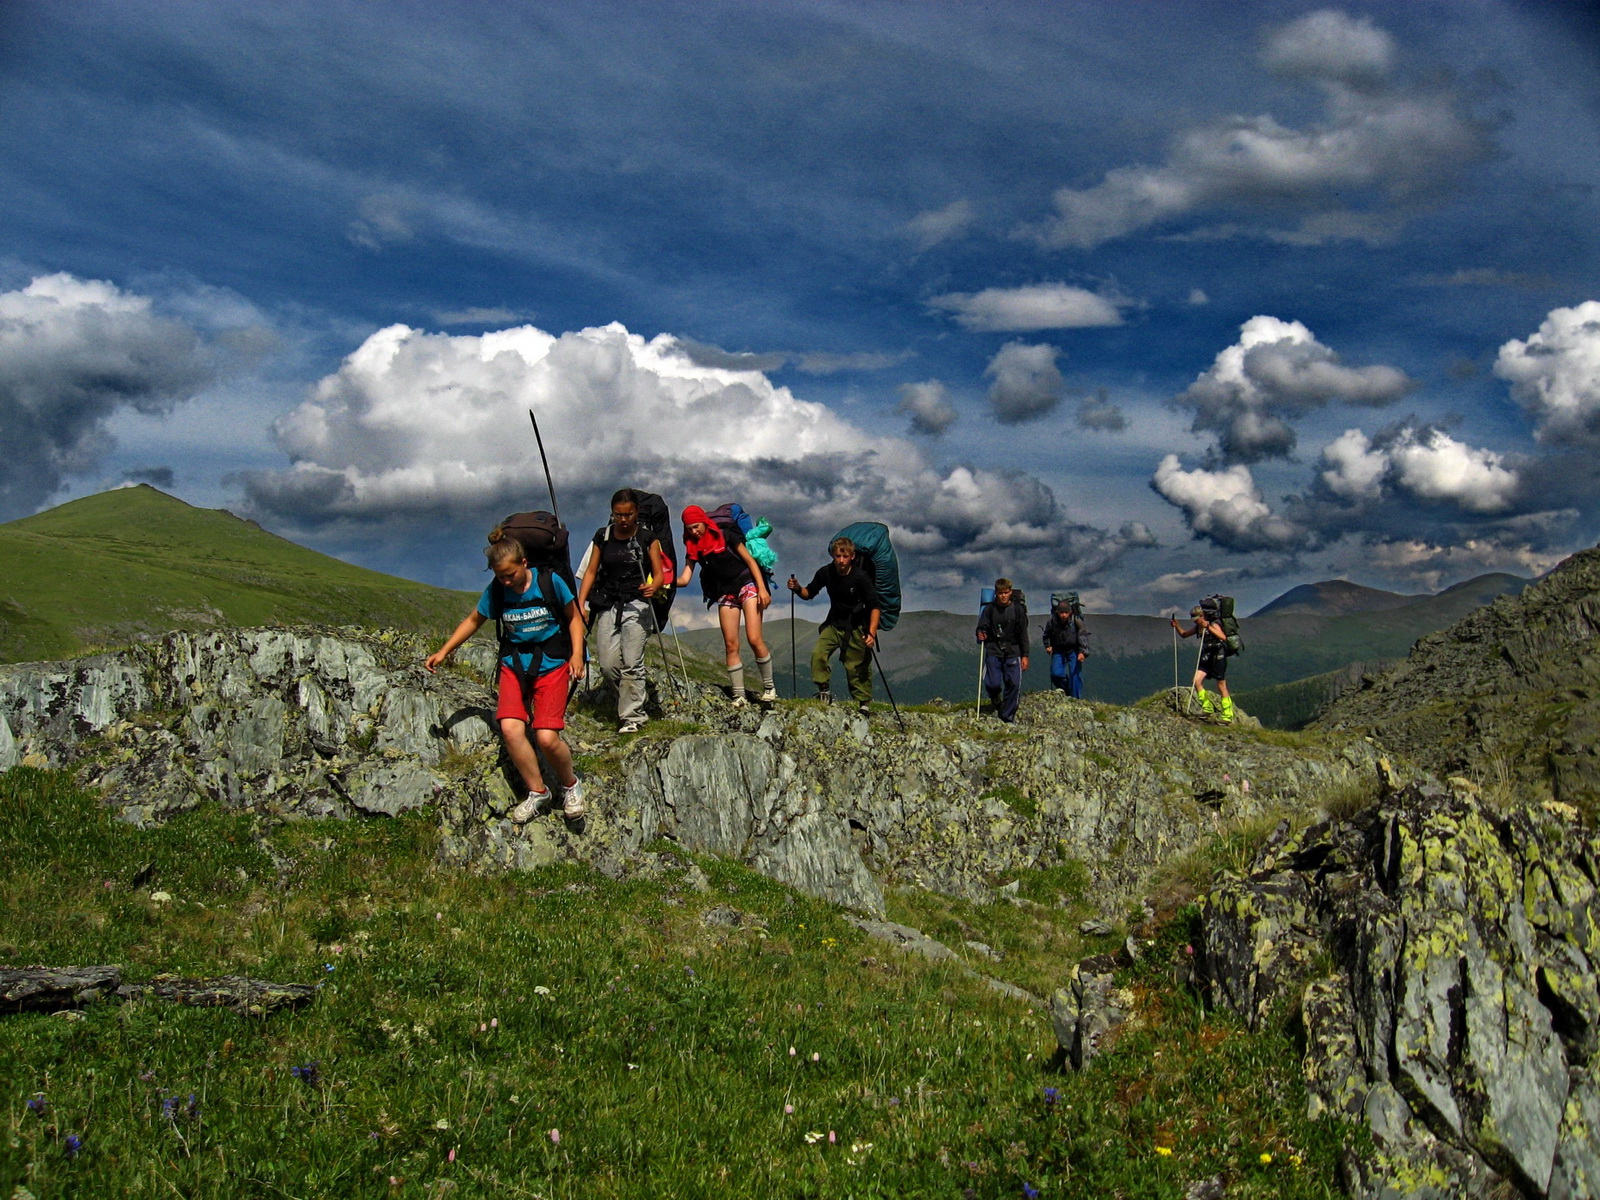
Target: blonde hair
503,547
839,544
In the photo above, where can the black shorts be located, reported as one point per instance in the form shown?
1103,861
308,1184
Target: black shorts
1214,660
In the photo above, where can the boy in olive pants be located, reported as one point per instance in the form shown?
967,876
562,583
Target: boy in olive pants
851,627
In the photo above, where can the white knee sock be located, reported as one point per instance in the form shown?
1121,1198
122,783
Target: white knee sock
764,665
736,678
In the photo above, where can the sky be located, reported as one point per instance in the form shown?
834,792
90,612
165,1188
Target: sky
1143,300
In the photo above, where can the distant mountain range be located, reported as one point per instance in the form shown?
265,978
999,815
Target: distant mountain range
109,568
1311,630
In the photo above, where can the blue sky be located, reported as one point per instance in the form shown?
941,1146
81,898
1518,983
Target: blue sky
1147,300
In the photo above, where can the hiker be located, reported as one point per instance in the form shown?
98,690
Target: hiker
735,583
626,568
1003,629
1066,642
851,626
1213,661
539,655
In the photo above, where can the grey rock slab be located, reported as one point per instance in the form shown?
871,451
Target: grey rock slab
393,788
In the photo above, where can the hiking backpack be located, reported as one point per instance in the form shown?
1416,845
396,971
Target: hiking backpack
731,517
655,524
1067,600
1219,608
545,545
876,554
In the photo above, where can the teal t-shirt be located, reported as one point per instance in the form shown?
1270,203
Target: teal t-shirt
526,619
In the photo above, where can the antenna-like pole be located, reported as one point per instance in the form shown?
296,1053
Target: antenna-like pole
545,462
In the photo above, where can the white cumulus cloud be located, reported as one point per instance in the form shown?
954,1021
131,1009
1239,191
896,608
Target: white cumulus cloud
928,405
1029,308
424,430
1027,383
1224,507
1425,464
1276,371
1432,465
1381,142
1555,374
73,352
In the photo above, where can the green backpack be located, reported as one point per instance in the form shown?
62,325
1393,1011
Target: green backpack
1219,608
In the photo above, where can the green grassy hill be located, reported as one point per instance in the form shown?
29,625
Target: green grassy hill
109,568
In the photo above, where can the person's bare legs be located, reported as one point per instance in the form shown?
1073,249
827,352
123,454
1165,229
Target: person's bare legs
520,750
752,628
728,618
558,754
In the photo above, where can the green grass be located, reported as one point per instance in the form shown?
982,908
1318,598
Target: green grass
104,570
462,1018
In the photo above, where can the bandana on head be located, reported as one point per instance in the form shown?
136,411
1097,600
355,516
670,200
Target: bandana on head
709,542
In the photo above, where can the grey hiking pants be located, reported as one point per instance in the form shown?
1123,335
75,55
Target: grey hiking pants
618,636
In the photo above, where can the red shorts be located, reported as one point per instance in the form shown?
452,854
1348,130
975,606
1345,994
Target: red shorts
747,592
549,707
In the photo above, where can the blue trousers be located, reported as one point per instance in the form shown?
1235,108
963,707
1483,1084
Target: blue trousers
1002,678
1066,673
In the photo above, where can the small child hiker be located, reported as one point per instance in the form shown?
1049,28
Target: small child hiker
851,626
1213,662
539,655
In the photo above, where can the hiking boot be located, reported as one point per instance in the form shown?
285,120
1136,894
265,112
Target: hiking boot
630,727
740,702
572,801
770,696
1204,697
530,808
1227,709
865,708
824,696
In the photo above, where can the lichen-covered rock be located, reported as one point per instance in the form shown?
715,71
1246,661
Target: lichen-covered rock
1461,1016
1087,1012
312,722
1510,693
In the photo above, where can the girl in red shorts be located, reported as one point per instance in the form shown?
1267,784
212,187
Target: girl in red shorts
539,654
736,584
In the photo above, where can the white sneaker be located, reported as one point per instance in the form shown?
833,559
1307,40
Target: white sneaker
572,801
769,696
630,727
740,702
529,808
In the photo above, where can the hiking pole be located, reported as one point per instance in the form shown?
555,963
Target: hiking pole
886,690
545,462
977,708
794,658
682,665
1174,663
1199,654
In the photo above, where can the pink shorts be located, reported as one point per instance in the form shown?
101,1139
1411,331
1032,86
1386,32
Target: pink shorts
549,708
747,592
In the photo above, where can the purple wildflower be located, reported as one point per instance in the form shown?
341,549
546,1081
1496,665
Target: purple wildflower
1051,1095
169,1108
308,1073
73,1146
38,1105
1031,1192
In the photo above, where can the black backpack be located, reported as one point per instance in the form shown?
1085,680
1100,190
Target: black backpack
546,545
1219,608
655,525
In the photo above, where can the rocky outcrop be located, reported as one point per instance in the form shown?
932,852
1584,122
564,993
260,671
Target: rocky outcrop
308,722
1451,1000
1088,1012
1510,694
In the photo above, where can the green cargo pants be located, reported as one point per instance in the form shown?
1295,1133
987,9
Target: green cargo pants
853,653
